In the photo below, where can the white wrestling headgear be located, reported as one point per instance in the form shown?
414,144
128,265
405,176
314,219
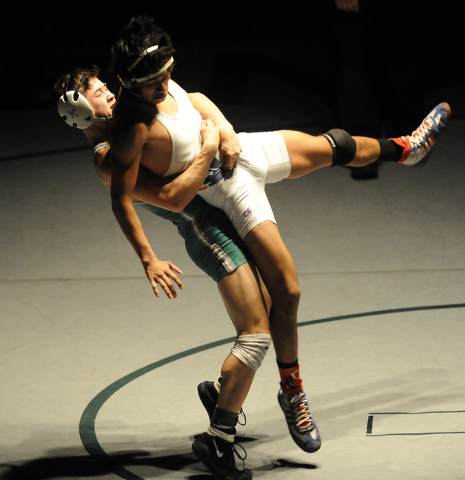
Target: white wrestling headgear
76,111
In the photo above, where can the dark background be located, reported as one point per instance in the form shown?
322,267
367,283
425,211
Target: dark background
375,72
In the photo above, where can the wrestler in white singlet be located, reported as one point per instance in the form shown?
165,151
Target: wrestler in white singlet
240,193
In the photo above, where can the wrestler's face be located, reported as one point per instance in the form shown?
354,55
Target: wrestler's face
155,90
100,98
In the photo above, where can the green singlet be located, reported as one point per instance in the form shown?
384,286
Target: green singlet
210,238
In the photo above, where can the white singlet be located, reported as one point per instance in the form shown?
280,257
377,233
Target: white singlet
240,193
184,130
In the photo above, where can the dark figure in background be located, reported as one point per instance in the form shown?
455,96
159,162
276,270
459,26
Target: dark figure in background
377,45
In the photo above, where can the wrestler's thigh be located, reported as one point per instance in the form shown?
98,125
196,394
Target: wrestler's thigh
273,260
245,300
306,152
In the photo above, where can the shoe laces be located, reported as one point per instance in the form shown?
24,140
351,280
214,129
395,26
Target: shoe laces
420,134
242,416
304,418
238,455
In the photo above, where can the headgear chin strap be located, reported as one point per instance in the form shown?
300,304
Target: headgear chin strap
76,111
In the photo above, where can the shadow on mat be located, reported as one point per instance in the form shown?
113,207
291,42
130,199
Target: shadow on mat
92,467
275,464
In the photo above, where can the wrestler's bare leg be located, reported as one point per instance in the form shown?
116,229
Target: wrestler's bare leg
309,153
245,302
279,275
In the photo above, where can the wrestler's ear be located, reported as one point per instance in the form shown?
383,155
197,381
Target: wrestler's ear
75,110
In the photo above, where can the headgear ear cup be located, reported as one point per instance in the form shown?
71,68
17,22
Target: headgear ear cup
75,110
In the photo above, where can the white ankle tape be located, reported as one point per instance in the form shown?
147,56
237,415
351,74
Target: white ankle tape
215,432
251,349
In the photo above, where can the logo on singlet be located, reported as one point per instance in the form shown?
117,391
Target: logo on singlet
215,174
247,213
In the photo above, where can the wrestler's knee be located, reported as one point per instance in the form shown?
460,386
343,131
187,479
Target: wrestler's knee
251,349
343,145
285,294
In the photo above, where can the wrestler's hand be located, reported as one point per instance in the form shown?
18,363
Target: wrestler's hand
163,274
230,147
210,135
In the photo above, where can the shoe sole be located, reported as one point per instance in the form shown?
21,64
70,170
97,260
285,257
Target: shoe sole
203,453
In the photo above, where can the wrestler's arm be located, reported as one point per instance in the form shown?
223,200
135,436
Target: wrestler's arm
126,152
153,189
120,170
230,147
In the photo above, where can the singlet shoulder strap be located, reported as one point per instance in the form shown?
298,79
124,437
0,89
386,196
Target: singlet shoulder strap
101,145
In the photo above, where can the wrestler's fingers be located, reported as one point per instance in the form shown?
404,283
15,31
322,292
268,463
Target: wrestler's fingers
155,288
173,276
174,267
230,162
168,288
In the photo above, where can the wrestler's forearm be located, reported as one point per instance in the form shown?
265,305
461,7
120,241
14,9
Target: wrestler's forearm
159,273
208,110
176,194
131,226
186,186
230,147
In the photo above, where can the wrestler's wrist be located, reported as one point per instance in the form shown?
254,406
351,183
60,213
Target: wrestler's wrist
226,128
148,257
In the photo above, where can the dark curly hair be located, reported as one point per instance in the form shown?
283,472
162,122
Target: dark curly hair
138,35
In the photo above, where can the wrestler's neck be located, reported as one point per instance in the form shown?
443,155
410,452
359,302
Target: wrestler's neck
165,103
168,105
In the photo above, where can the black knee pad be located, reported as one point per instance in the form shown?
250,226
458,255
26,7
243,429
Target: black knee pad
343,145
